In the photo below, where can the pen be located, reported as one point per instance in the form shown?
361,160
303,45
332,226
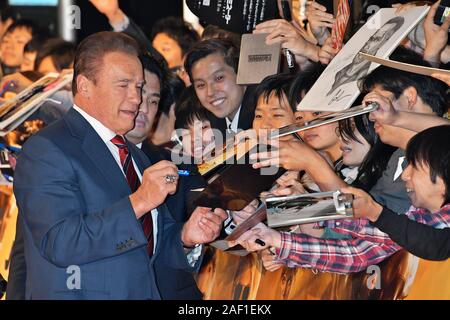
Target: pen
185,173
10,148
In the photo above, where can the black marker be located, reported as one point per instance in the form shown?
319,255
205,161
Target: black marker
286,8
260,242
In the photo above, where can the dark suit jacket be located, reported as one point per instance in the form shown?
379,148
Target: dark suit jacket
176,284
75,210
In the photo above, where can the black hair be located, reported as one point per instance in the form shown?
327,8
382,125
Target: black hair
177,29
430,148
303,82
430,90
204,48
277,84
376,160
60,51
189,109
214,32
8,12
171,90
152,65
30,25
35,43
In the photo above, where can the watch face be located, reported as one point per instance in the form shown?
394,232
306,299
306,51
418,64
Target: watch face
240,16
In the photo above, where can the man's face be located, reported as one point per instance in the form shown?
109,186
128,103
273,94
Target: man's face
421,190
169,49
198,138
273,113
115,96
215,84
12,46
147,109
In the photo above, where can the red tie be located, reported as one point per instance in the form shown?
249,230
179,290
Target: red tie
134,183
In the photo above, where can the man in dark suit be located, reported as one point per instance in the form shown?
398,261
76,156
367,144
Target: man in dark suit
90,203
212,67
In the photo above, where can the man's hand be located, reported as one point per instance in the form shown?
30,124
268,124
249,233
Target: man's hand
110,8
385,114
318,19
435,36
154,187
203,226
239,216
269,261
363,204
281,31
287,155
251,240
288,184
15,82
327,52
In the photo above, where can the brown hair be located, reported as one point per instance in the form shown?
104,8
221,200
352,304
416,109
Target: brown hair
90,53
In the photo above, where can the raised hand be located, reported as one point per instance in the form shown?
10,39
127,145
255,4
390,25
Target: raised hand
203,226
154,187
288,184
291,155
110,8
435,36
318,19
251,240
327,52
363,205
385,114
239,216
281,31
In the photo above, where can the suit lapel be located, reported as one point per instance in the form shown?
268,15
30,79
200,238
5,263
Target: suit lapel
99,154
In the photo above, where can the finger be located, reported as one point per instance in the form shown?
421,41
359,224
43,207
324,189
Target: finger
283,192
315,5
266,163
264,155
208,231
430,16
446,25
221,213
212,218
270,23
324,16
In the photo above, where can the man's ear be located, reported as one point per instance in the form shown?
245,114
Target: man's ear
410,94
84,86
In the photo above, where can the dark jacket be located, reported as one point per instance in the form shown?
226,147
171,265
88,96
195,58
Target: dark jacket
176,284
421,240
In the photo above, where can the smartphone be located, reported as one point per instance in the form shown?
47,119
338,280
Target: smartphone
442,12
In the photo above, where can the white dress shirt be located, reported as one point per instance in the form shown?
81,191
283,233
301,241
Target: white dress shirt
233,125
106,135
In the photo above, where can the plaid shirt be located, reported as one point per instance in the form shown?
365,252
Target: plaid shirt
368,246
